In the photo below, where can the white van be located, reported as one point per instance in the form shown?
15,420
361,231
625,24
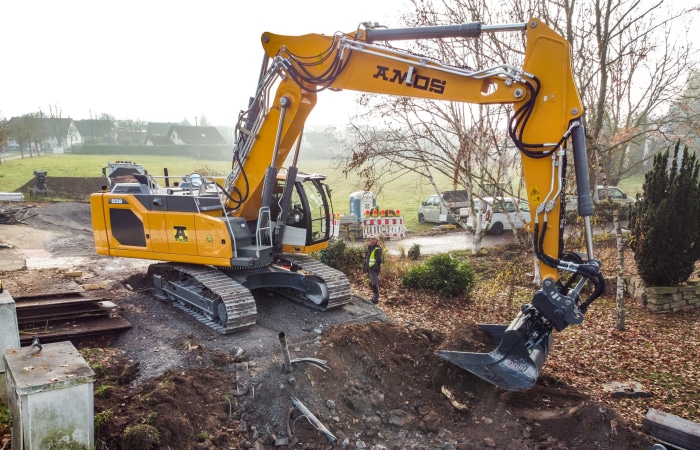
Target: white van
431,210
496,212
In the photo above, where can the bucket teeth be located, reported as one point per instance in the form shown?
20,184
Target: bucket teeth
511,366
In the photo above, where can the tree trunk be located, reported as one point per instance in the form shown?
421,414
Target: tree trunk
478,235
620,291
537,274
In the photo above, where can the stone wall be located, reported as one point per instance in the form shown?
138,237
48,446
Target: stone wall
665,299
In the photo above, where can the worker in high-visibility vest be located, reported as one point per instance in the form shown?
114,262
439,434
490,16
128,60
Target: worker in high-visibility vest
373,264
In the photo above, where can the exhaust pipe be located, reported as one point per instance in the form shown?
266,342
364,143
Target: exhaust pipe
516,363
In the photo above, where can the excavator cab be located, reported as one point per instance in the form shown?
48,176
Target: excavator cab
307,223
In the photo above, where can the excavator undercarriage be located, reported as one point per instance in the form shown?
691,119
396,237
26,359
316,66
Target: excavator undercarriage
221,298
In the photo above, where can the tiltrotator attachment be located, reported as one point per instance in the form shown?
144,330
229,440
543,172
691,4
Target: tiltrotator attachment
516,363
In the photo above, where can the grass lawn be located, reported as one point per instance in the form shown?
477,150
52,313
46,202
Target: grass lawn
404,194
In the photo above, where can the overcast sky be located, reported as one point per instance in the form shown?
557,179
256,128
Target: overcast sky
159,60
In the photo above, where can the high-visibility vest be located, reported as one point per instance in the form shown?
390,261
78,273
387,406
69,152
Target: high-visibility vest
372,260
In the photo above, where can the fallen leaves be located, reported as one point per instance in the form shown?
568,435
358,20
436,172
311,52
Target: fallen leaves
658,351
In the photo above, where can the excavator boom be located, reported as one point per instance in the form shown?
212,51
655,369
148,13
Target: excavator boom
547,112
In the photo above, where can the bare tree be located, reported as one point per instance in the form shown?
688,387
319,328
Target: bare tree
57,125
632,59
683,119
465,143
203,122
132,130
27,130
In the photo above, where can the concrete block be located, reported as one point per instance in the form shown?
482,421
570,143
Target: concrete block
9,334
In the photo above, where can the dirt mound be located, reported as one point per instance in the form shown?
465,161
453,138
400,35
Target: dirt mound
186,407
68,188
384,388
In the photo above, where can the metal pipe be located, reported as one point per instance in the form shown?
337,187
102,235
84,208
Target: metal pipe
314,421
470,30
287,362
466,30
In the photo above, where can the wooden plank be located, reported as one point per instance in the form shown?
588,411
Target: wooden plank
80,329
672,429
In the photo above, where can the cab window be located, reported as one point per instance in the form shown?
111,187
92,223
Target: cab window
616,193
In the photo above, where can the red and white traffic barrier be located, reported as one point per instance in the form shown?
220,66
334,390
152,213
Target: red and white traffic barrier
387,227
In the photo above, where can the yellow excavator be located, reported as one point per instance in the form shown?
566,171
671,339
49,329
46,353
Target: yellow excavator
222,238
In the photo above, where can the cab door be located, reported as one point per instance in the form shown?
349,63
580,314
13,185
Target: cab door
432,209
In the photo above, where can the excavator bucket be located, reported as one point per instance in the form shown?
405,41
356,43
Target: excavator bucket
513,365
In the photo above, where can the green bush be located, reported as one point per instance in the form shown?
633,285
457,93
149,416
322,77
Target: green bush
341,256
414,252
140,437
665,234
443,274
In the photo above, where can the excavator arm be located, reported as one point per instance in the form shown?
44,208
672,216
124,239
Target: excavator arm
546,119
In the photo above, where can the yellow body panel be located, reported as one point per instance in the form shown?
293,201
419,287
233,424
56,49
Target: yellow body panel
300,105
304,249
378,73
548,56
167,236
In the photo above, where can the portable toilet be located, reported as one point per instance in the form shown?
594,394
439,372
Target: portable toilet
360,202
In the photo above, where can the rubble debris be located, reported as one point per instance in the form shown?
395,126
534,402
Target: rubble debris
631,389
459,406
11,215
318,363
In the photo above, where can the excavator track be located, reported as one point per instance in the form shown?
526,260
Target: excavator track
336,282
206,294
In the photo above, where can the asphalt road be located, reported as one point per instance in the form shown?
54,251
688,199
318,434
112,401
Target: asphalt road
443,243
464,240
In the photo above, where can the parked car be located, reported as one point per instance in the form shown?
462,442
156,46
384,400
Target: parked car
600,194
432,210
496,211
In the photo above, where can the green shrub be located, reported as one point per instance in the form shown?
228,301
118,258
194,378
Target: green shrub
341,256
103,418
665,237
140,437
414,252
443,274
104,390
